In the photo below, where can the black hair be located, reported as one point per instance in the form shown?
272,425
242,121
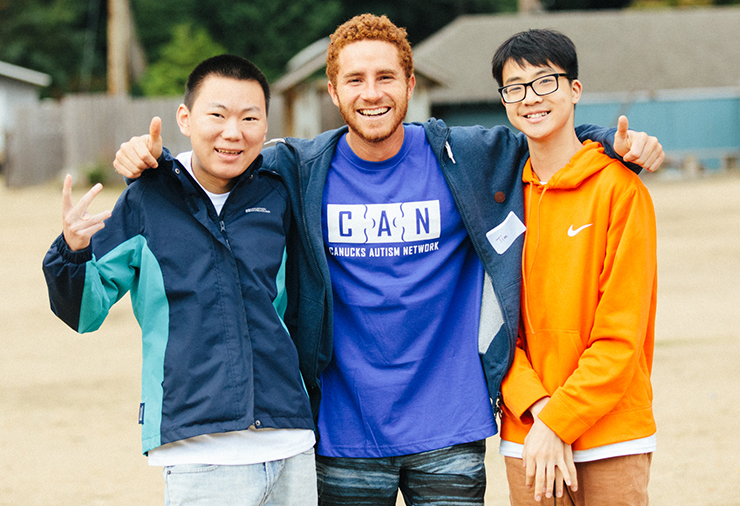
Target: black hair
225,65
538,48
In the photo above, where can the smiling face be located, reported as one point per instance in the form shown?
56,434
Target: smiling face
542,118
372,93
227,126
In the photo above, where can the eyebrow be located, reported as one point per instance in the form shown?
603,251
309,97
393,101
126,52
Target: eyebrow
540,73
357,73
219,105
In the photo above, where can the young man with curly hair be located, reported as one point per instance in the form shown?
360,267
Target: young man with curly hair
403,276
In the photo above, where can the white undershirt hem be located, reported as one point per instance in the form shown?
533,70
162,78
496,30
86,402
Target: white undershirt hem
634,447
238,448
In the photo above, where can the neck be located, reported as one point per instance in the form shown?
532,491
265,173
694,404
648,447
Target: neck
209,182
549,155
376,151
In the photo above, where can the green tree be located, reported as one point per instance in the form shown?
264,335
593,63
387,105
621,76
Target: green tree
569,5
189,46
267,33
50,36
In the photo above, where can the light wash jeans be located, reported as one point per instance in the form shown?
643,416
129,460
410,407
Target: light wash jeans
289,482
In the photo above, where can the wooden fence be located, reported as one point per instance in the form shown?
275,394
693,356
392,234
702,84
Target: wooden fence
81,132
84,131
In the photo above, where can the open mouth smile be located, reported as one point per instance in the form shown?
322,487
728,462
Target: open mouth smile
232,152
536,115
374,112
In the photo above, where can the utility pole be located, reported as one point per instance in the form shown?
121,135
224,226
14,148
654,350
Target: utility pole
529,6
119,43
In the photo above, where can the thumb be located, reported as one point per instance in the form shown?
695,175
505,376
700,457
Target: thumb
155,136
67,194
622,126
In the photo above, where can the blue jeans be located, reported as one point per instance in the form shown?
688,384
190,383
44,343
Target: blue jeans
289,482
451,476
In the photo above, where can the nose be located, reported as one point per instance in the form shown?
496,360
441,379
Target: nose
371,91
231,129
530,97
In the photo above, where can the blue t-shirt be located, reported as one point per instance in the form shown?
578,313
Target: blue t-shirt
406,376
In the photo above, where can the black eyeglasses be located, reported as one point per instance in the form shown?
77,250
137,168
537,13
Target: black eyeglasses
541,86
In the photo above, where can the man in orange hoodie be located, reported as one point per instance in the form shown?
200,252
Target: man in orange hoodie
578,397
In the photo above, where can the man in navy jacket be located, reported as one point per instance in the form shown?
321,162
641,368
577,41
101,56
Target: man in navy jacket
201,247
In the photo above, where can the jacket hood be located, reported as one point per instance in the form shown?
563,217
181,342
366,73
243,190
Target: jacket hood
585,163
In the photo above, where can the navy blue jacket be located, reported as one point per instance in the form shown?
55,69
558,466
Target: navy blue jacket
208,293
483,169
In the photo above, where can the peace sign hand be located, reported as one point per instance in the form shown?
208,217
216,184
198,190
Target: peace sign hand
77,224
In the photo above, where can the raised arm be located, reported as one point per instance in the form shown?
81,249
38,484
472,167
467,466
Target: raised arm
140,153
637,149
80,293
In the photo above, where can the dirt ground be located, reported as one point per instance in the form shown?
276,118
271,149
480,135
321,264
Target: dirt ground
69,403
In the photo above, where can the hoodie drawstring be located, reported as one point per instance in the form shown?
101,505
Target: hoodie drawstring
449,152
526,272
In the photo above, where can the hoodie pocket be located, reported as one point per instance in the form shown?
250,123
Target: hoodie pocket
554,355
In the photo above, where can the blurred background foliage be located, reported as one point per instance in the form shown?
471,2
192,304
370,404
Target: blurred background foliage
67,38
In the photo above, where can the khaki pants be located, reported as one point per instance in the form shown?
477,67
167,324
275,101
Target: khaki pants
619,481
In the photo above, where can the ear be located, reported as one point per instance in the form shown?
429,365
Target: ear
411,84
576,89
183,120
333,94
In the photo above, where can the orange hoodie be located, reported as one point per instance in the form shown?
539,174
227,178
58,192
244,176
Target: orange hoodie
588,305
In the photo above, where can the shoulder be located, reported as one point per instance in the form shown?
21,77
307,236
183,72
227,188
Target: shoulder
477,137
290,150
151,180
273,180
624,186
619,175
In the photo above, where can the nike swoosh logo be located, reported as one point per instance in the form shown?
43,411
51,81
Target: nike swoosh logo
573,233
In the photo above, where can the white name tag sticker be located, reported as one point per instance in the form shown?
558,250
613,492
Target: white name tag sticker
504,235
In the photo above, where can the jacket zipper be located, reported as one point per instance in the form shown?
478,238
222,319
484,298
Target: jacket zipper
447,147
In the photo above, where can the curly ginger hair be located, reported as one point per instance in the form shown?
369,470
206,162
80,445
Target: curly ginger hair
368,27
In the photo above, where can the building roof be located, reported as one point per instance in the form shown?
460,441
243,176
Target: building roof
312,59
635,51
23,74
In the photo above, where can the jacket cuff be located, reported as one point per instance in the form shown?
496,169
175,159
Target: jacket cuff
519,394
562,419
165,156
74,257
606,138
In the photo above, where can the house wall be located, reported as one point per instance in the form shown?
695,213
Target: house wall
705,127
13,95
